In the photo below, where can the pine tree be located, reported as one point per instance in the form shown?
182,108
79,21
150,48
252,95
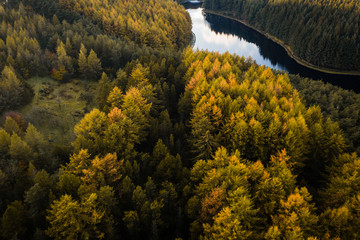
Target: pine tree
90,132
64,59
19,150
103,171
11,126
227,225
70,219
296,219
35,139
4,142
121,80
103,91
13,220
203,142
138,77
94,66
132,223
136,108
11,89
37,197
82,61
115,98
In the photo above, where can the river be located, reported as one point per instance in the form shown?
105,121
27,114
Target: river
221,34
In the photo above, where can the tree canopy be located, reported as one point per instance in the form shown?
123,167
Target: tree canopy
170,144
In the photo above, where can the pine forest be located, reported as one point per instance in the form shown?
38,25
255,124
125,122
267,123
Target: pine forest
113,127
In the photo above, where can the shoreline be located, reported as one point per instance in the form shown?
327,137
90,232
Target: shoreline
287,48
193,40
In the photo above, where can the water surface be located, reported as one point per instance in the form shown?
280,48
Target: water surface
216,33
214,37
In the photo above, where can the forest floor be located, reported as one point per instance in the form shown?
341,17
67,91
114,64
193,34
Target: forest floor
57,107
286,47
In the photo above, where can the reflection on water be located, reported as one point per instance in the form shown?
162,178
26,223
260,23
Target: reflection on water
220,34
208,38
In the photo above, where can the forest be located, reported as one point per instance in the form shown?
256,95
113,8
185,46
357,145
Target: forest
322,32
108,134
152,23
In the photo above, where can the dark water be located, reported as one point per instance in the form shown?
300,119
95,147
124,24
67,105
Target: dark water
217,33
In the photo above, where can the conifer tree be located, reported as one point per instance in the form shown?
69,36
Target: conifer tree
94,66
13,220
103,91
4,142
90,132
115,98
19,150
63,58
82,61
35,139
12,92
73,220
11,126
137,109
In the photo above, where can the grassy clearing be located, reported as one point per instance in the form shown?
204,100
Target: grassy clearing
57,107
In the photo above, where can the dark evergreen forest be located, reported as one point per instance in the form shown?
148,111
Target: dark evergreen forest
170,143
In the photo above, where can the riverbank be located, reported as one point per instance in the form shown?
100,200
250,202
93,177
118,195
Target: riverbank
287,48
193,40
